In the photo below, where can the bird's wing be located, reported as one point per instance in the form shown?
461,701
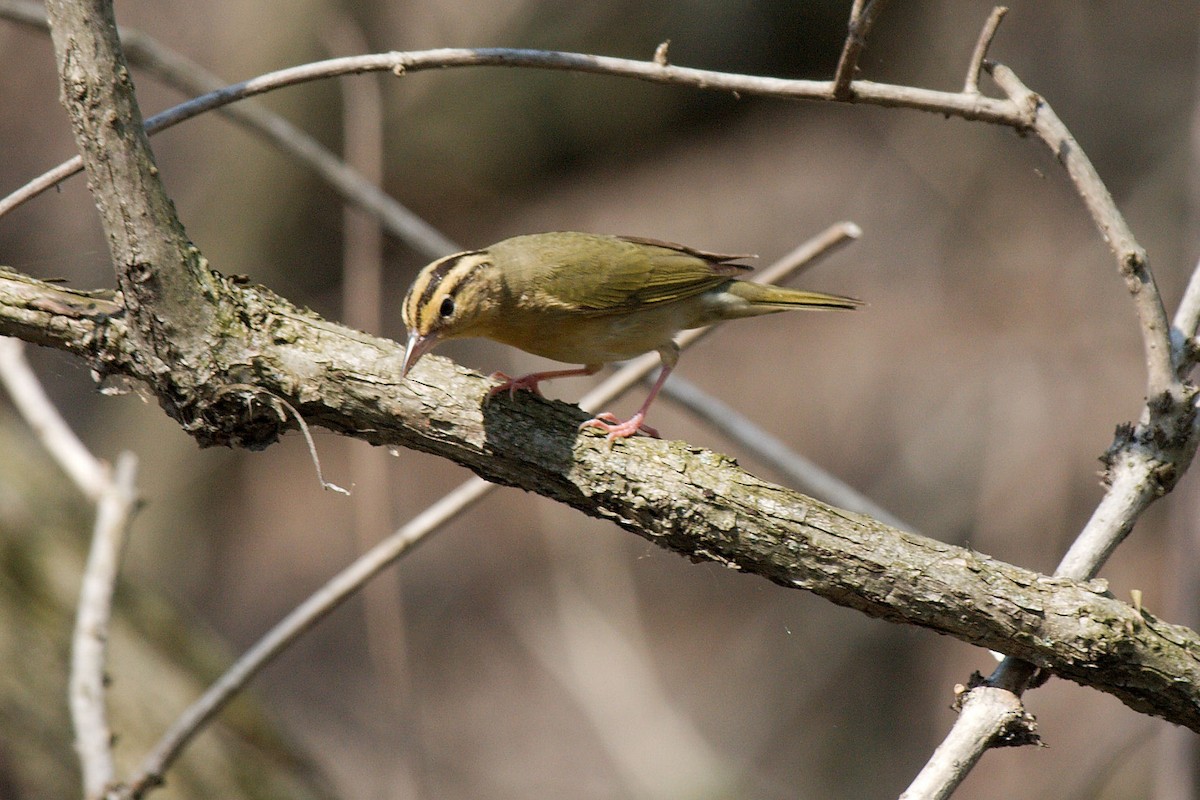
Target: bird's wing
628,273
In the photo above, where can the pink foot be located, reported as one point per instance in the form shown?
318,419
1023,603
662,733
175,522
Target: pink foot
526,383
616,429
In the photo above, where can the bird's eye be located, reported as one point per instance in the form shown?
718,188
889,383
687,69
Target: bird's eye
447,308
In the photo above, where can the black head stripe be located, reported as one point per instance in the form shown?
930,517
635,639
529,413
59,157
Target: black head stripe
430,281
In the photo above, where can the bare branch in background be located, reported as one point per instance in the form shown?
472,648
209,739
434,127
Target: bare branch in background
968,106
971,84
85,471
304,616
89,646
115,496
862,16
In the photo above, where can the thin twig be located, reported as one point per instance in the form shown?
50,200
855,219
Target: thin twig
39,412
89,645
351,579
660,53
966,744
971,85
312,447
1186,322
974,106
281,406
862,17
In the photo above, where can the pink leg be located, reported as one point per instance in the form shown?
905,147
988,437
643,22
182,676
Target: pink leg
615,428
530,382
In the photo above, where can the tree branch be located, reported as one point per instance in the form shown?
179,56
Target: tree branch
862,16
967,106
971,84
168,288
89,645
115,496
1142,465
698,504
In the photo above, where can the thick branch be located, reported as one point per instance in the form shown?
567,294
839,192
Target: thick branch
692,501
170,295
82,323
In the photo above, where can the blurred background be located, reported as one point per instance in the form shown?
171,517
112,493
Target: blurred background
526,651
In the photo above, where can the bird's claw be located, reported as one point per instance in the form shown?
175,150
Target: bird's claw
525,383
616,429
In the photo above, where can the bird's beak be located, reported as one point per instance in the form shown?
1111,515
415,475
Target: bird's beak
417,346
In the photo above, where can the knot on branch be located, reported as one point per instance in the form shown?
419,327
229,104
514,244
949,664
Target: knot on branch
235,415
1189,351
225,378
1133,264
1015,727
1018,730
1155,446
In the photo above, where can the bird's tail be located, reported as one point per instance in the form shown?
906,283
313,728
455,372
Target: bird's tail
766,298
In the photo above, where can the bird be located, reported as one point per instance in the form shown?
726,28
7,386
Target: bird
589,299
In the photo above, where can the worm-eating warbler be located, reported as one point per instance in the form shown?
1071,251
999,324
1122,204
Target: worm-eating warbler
586,299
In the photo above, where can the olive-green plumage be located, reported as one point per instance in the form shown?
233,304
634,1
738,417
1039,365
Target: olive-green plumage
587,299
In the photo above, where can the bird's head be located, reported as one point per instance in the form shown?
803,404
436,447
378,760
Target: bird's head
451,298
